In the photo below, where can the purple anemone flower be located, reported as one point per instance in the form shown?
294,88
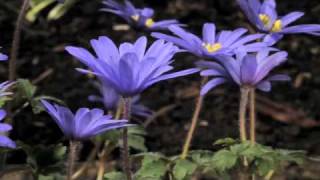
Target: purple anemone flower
213,44
130,69
265,18
141,18
4,87
85,123
245,71
110,98
4,140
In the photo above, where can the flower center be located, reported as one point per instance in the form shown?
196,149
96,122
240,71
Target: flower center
265,19
277,26
135,17
149,22
212,47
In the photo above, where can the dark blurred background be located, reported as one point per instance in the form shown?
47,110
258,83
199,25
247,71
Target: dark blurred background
288,117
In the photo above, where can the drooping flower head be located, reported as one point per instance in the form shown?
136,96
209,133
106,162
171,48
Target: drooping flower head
251,70
130,69
110,98
85,123
4,88
213,44
265,18
4,140
141,18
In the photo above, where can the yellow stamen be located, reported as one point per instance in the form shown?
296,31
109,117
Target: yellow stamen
212,47
135,17
265,19
277,26
149,22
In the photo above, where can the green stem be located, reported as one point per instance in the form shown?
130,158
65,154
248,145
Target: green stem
16,41
252,117
242,113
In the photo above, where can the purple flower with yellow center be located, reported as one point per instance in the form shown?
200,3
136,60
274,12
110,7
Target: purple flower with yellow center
4,140
213,44
131,68
110,98
85,123
250,70
141,18
265,18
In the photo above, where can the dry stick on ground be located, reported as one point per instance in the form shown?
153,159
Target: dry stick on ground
194,122
285,113
159,113
16,41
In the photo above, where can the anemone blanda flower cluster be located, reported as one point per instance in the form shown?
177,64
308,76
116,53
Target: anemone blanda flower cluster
141,18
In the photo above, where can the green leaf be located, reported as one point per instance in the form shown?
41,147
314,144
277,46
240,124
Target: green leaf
225,142
264,166
183,169
36,8
153,167
59,10
26,88
201,157
3,100
224,160
136,138
137,142
114,175
293,156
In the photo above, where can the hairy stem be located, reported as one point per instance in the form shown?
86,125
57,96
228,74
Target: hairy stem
194,122
242,113
252,117
126,157
16,41
72,156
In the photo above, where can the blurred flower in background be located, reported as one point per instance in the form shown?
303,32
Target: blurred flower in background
141,18
265,18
